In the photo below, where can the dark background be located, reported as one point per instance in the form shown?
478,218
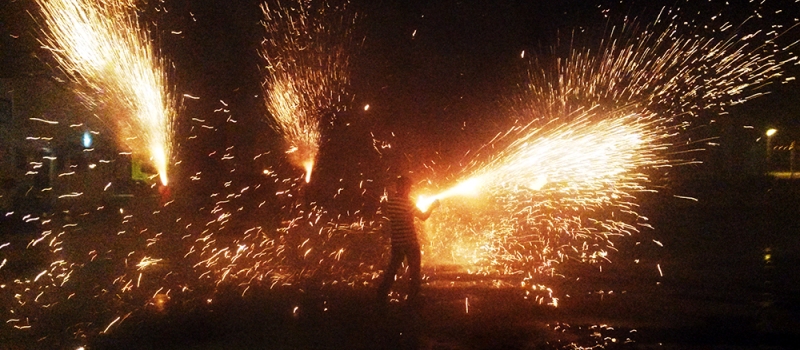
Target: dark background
440,78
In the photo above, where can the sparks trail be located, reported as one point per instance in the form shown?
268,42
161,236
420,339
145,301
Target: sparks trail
140,261
594,124
307,71
103,48
561,185
548,197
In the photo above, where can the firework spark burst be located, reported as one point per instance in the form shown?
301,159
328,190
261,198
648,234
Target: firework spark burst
307,67
101,47
594,125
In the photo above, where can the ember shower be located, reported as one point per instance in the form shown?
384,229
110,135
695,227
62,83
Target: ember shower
591,125
589,128
110,57
306,73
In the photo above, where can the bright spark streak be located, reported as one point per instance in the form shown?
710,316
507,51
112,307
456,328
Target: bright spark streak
111,324
308,166
147,261
103,49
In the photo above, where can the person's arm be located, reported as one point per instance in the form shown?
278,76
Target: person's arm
424,215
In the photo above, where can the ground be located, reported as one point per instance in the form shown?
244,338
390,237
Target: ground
721,272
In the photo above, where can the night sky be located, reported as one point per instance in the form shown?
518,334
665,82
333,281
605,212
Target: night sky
439,76
454,70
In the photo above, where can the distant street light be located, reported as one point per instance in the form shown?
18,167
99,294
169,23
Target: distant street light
86,139
770,133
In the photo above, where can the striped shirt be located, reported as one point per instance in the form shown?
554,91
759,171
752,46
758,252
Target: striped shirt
401,211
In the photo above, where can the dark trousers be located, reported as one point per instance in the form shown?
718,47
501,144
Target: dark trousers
399,253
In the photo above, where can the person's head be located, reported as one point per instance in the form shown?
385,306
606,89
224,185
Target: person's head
402,185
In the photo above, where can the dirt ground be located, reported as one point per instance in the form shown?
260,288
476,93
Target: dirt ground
717,273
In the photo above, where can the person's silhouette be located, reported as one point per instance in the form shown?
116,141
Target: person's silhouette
400,211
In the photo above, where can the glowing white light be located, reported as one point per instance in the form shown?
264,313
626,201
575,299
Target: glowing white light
86,140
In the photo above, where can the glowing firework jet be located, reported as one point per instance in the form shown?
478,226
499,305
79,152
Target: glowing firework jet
306,73
582,151
548,193
101,46
595,124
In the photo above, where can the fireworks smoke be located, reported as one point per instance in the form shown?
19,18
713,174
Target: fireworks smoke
101,47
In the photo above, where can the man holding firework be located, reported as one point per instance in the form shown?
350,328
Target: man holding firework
400,210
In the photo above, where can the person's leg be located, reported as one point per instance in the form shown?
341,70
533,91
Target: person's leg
414,262
389,273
